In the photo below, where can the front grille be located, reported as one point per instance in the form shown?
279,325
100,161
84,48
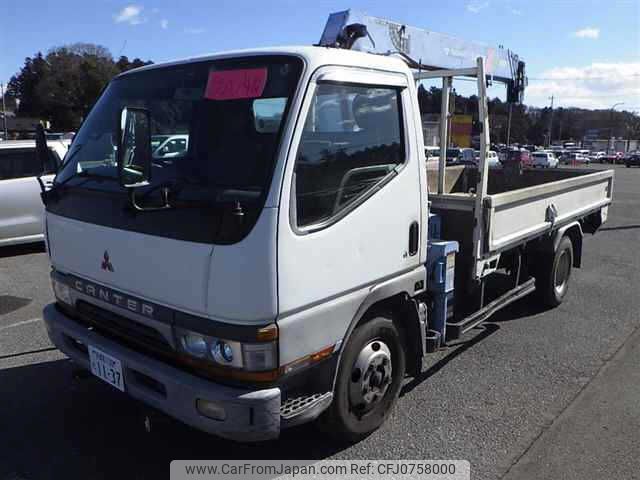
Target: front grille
106,322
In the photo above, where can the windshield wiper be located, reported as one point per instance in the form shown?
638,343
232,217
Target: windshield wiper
81,174
86,175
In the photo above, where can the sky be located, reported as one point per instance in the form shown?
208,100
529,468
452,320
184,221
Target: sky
586,53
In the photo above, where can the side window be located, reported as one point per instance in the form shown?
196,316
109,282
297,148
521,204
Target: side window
18,163
352,140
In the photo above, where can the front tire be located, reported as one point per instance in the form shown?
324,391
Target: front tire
552,281
369,379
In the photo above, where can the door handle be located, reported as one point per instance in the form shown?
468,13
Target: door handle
414,237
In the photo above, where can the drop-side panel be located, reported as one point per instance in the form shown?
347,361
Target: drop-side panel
519,214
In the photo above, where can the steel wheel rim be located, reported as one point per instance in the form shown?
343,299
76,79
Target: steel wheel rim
371,376
562,272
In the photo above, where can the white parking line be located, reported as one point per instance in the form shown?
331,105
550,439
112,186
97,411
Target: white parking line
19,324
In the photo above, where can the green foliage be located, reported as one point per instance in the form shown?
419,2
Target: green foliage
63,85
531,125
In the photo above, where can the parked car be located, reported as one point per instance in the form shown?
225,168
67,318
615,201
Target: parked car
492,158
467,157
544,160
597,157
432,152
632,160
432,156
518,155
21,210
171,147
453,156
576,158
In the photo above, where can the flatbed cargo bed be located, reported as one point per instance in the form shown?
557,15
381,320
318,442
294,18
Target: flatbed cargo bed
514,210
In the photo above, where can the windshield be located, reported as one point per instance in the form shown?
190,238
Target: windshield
215,128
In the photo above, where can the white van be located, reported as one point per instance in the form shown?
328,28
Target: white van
21,209
544,160
492,158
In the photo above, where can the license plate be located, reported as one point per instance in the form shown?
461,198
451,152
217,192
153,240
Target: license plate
106,368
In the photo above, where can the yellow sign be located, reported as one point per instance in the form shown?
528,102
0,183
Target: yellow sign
461,126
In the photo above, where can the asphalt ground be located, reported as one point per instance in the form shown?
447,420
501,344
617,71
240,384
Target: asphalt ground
500,397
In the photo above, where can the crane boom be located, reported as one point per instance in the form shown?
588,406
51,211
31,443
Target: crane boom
423,49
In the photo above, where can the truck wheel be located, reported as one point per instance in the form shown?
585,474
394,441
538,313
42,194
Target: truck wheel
369,379
553,280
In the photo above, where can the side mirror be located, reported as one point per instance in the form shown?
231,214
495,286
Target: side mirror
46,160
134,147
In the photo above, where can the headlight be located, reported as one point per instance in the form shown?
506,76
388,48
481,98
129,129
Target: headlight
194,344
248,356
61,291
222,352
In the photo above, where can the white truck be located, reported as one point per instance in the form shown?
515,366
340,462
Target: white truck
299,260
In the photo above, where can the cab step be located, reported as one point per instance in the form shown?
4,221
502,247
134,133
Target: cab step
296,410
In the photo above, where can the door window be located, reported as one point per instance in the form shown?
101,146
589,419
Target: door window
352,141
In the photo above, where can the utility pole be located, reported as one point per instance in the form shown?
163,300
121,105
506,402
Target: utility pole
4,112
611,142
509,125
550,120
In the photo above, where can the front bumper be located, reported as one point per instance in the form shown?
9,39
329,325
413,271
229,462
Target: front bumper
251,415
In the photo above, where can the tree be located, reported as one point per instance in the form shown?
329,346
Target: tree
63,85
124,64
24,84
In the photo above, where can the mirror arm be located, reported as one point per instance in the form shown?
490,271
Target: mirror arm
164,193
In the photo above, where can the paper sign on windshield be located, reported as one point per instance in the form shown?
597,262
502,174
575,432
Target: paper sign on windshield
236,84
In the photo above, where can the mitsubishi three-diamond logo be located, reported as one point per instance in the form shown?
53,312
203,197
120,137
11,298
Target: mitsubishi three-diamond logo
106,264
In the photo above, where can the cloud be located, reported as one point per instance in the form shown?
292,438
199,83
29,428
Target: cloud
164,23
589,32
475,6
194,31
130,14
598,85
515,11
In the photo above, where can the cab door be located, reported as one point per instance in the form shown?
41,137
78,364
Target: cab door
350,211
21,210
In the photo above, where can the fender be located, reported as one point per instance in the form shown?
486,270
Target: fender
398,291
574,231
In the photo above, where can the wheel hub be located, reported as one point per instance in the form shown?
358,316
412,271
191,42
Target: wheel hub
371,375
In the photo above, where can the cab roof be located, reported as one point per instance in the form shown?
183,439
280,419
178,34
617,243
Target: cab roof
314,57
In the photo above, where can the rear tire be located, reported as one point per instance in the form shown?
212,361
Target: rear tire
369,379
552,281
